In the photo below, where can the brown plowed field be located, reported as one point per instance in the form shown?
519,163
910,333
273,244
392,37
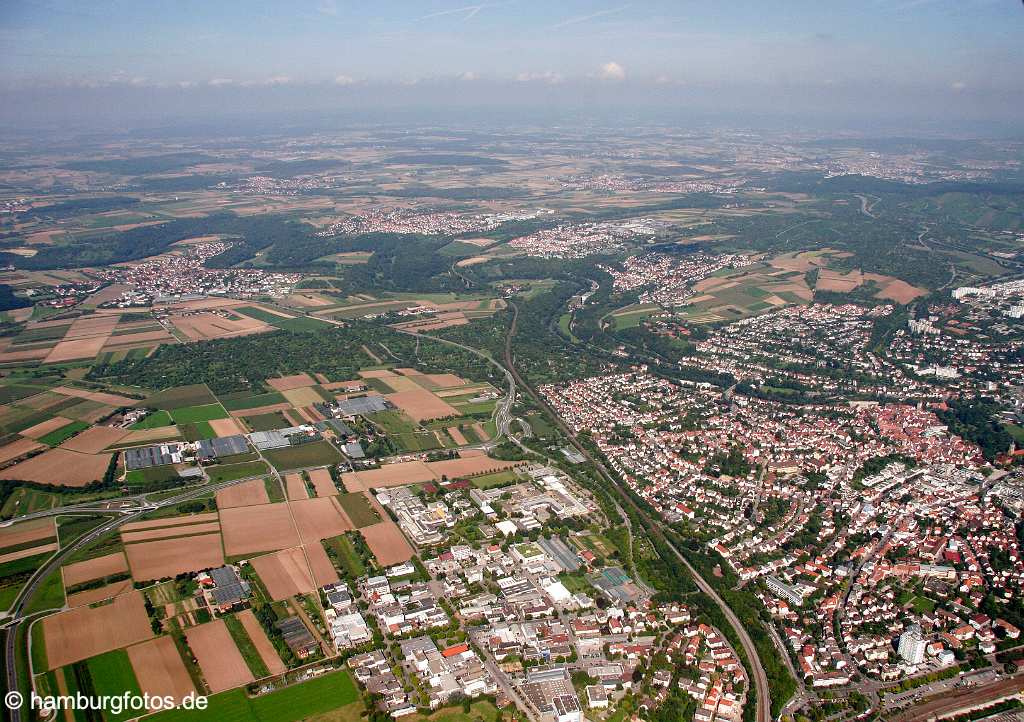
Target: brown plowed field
94,440
407,472
17,448
284,574
301,395
26,531
387,543
421,405
445,380
268,409
171,557
87,631
45,427
204,326
321,479
94,568
296,381
222,664
29,552
260,641
319,518
30,354
470,466
167,532
296,486
159,669
226,427
320,564
244,494
457,437
76,349
401,383
263,528
89,596
146,337
376,373
61,467
142,436
89,326
173,521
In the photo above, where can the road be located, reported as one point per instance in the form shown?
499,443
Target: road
866,207
763,711
10,626
503,413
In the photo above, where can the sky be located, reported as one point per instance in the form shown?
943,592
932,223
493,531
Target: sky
117,60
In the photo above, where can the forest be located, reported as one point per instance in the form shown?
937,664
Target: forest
240,364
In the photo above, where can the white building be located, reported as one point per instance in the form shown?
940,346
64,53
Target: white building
912,645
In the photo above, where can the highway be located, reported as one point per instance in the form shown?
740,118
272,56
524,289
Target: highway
16,618
763,711
503,413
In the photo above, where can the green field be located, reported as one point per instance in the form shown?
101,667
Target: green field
25,501
349,559
244,643
230,472
58,436
49,595
267,422
46,333
8,594
233,402
151,475
274,491
198,430
25,564
416,442
299,323
633,315
16,418
392,422
498,478
181,396
358,509
154,421
14,392
923,605
112,674
193,414
315,453
300,701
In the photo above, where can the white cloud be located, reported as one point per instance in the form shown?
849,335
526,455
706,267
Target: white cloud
328,7
277,80
344,80
958,85
548,76
217,82
469,75
611,71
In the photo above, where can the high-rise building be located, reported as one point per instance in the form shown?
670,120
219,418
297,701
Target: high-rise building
912,644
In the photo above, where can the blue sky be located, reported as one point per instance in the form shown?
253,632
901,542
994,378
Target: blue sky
913,56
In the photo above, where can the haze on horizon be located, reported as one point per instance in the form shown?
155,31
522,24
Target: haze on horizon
117,64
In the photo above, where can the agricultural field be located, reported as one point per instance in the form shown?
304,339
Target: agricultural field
293,703
315,453
359,509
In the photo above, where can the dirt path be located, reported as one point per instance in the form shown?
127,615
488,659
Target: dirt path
324,646
371,354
